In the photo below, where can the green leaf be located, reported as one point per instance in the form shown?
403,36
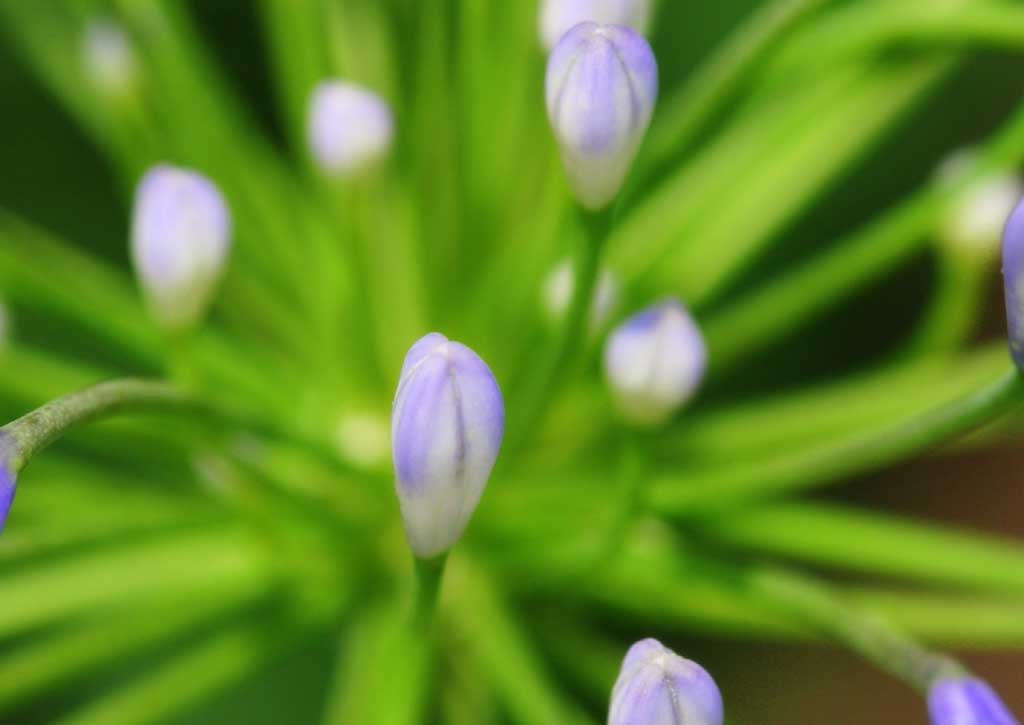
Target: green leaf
875,543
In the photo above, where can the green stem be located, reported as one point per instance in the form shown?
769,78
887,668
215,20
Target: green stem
34,431
551,370
956,303
863,632
429,573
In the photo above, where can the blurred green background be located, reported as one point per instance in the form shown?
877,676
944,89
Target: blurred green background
54,176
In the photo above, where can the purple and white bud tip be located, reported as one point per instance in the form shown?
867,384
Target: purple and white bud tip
658,687
1013,282
108,57
557,17
447,423
966,701
654,362
350,128
601,86
181,234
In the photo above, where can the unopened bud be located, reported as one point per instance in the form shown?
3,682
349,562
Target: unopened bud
658,687
601,86
180,238
654,362
350,128
446,428
966,701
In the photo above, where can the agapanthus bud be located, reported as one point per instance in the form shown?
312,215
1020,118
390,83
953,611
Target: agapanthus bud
601,85
180,238
446,427
966,701
8,478
557,17
654,362
350,128
559,287
658,687
1013,282
109,57
977,217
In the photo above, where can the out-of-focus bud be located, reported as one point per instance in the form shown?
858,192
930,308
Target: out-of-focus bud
109,57
654,362
977,218
601,86
966,701
658,687
1013,282
362,438
350,128
446,427
559,287
181,233
557,17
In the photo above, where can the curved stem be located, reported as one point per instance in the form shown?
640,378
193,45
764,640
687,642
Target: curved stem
34,431
863,632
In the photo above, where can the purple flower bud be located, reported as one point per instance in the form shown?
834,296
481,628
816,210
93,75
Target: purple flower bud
446,427
557,17
966,701
8,477
350,127
1013,282
180,237
109,57
601,85
654,362
658,687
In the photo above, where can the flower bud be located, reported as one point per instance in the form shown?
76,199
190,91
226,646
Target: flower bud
557,17
8,477
658,687
1013,282
601,85
966,701
654,362
976,219
109,57
446,427
350,128
559,287
180,237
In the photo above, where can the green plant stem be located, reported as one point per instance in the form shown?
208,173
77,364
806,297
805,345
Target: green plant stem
869,635
676,496
34,431
552,369
955,305
429,574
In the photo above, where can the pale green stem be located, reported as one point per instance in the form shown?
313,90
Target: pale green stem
869,635
34,431
429,575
